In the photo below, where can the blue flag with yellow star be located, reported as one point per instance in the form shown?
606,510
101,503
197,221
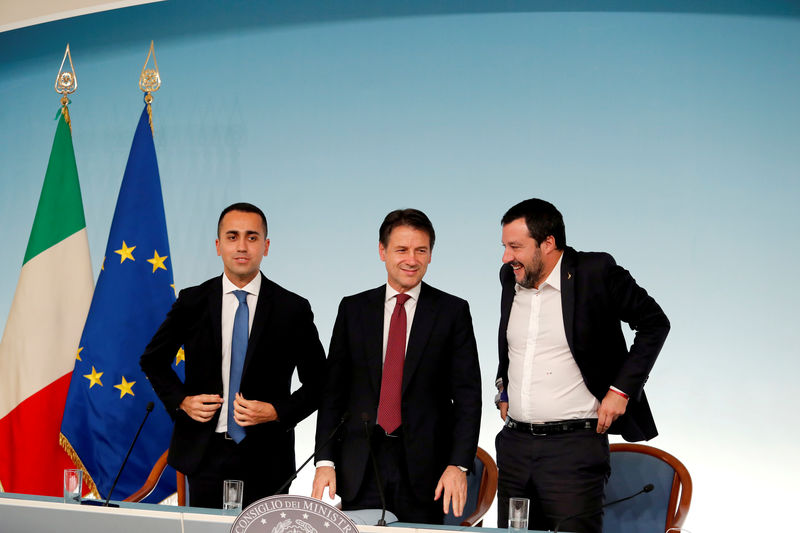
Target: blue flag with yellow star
108,393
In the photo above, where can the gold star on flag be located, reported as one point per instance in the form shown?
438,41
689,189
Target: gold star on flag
78,355
173,289
125,252
157,261
94,378
125,387
103,265
180,357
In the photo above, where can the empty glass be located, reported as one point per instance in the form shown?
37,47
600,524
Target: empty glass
518,514
73,484
232,494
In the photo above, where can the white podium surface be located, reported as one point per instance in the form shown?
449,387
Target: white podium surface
24,514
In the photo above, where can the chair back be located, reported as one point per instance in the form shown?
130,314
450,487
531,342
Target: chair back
481,490
632,467
152,480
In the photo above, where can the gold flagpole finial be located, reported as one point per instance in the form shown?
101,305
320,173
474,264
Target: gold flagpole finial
66,83
150,81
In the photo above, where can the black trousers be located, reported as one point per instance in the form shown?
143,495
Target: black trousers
224,459
400,498
562,475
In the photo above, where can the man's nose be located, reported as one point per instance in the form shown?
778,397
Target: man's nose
507,256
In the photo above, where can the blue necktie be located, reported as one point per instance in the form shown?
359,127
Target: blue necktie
241,323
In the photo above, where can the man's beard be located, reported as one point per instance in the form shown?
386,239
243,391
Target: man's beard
532,275
533,271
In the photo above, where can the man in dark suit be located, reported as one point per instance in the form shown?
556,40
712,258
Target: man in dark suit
403,364
243,336
566,375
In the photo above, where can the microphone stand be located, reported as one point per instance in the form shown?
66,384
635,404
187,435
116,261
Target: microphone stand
647,488
378,480
344,419
150,406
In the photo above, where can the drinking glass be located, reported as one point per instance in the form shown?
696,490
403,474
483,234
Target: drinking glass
232,494
73,483
518,514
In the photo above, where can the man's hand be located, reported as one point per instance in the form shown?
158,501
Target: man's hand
324,477
201,407
252,412
454,484
503,410
612,407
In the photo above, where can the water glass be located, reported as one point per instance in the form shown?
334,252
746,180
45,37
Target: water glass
232,495
518,514
73,484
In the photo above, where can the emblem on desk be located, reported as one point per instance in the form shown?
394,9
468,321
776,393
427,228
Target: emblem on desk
292,514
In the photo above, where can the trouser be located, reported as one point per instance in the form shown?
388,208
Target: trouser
400,497
563,475
224,459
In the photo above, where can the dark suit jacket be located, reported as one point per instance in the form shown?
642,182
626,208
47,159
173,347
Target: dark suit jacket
441,402
596,295
283,337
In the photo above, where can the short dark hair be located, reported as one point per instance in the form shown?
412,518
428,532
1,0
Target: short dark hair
247,208
542,219
405,217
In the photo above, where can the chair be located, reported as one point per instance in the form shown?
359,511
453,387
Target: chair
152,480
481,490
632,467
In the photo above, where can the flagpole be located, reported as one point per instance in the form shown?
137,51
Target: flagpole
150,81
66,83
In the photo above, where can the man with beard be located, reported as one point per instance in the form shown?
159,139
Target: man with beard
566,375
403,363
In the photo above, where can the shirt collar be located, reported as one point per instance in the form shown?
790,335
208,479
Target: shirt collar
251,288
554,279
413,293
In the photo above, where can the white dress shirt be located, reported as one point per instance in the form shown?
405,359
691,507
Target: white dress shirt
229,306
544,381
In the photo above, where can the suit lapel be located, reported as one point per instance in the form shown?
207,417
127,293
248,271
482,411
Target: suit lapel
568,294
215,309
424,316
263,310
372,329
508,283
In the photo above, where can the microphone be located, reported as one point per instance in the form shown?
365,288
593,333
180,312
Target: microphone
378,480
150,406
345,418
647,488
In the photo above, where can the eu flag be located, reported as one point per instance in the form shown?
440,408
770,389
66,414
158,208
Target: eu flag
108,393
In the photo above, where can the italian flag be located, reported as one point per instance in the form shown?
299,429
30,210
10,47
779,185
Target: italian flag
40,340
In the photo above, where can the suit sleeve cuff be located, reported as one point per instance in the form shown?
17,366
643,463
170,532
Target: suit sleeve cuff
620,392
325,463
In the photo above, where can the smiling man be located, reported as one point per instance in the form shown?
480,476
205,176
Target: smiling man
243,337
403,364
566,376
